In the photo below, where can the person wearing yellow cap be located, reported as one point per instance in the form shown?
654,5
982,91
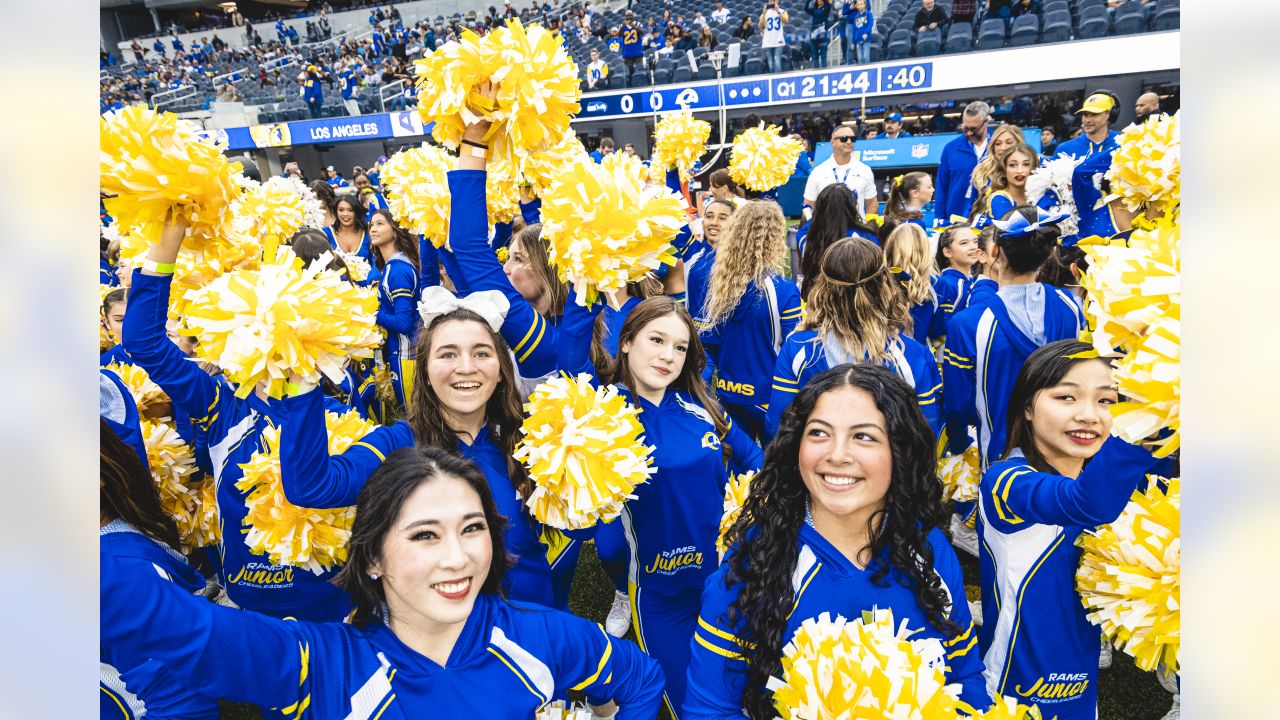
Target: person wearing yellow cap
1100,109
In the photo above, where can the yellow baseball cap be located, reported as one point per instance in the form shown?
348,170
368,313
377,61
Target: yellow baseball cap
1097,103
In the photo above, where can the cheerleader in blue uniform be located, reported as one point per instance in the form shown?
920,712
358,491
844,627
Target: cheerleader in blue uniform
233,427
350,231
835,217
113,311
856,313
465,400
672,523
136,542
987,344
1009,186
749,309
907,252
396,258
1061,474
957,252
431,635
840,520
908,196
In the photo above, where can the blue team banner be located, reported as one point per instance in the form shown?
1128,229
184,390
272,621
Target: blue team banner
922,151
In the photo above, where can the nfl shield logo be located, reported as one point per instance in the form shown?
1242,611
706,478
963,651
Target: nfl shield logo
919,150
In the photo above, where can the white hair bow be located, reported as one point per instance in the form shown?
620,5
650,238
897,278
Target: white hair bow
488,304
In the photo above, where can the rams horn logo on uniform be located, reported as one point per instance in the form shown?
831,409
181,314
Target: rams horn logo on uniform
711,440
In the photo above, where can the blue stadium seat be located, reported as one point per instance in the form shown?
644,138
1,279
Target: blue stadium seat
1026,30
1055,16
753,66
682,74
1089,12
1056,31
706,72
661,76
1082,5
1166,19
1129,23
1092,27
1054,6
899,45
959,38
929,43
991,34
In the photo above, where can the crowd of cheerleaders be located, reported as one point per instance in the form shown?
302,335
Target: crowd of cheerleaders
455,598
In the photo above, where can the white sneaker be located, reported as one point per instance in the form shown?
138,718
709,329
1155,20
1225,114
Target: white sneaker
963,536
619,615
1104,655
1175,712
975,611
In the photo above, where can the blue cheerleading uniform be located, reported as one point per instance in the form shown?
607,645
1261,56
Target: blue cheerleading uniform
428,264
107,273
233,427
374,201
398,295
672,524
951,287
752,336
1081,147
509,660
310,477
804,355
132,684
986,347
115,355
1037,644
1086,191
825,581
118,409
366,247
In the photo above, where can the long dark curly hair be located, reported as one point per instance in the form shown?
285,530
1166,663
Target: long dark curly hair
766,536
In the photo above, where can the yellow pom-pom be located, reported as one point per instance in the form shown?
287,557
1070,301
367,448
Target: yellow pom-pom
384,383
542,168
960,475
315,539
415,184
154,163
761,159
868,669
735,497
261,325
1129,576
238,251
606,228
679,140
503,253
538,89
313,210
146,394
584,451
1007,708
502,190
184,498
357,267
269,211
1133,303
1146,169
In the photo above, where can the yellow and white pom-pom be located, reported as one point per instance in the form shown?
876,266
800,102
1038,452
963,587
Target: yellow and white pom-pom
1133,303
960,475
270,212
630,165
155,163
867,669
559,710
313,211
1006,708
384,383
541,169
1146,169
679,140
182,496
357,267
205,529
538,89
584,451
261,325
238,251
1055,175
502,190
146,394
735,497
414,181
761,159
606,228
1129,576
311,538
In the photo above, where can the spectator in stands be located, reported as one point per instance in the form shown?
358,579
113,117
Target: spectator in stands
964,11
334,178
632,46
597,71
137,51
350,80
858,24
1026,7
893,126
955,192
746,29
707,39
1148,104
228,93
282,34
772,36
1096,115
614,41
842,168
721,14
930,16
606,147
1048,141
870,133
310,90
293,36
684,42
176,42
819,12
629,149
699,20
1002,9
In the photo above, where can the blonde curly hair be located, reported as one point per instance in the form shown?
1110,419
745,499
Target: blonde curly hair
752,245
907,247
989,167
856,300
